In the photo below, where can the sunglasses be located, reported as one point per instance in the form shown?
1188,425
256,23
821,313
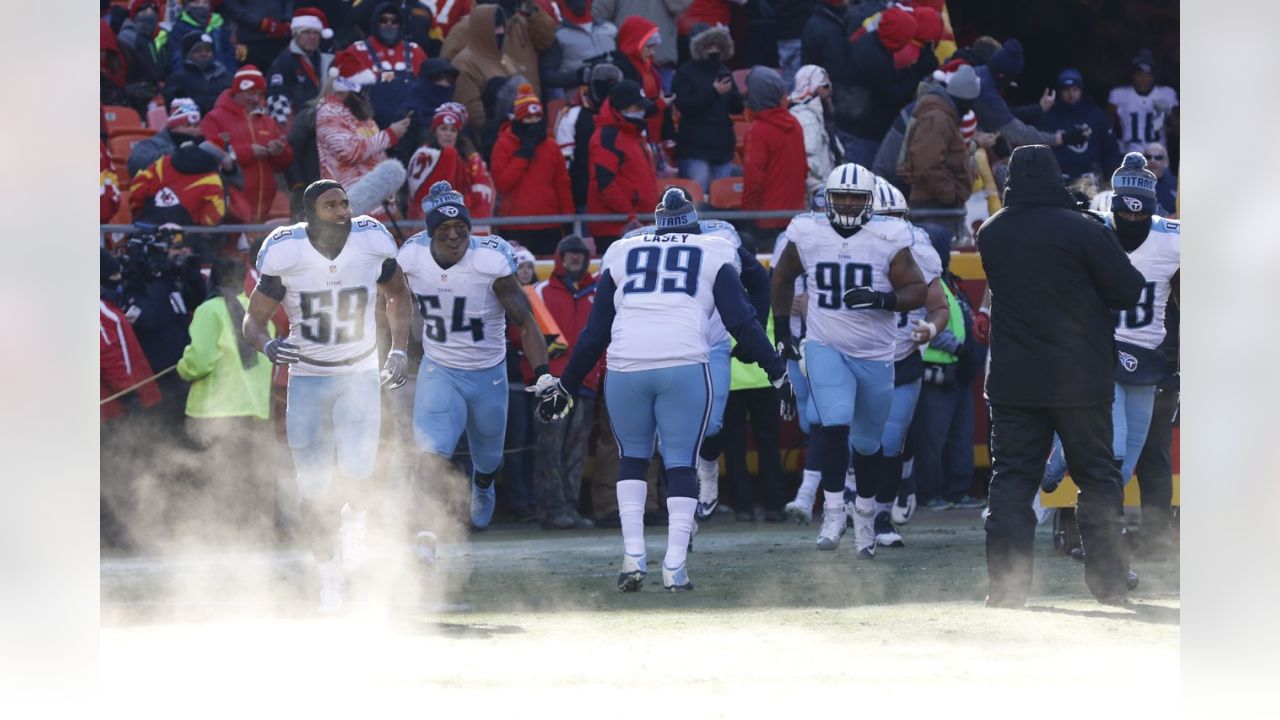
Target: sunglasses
1153,157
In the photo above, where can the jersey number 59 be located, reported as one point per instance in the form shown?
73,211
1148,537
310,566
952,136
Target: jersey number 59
319,313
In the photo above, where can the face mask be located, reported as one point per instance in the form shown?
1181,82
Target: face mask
1131,234
146,24
534,130
962,106
714,57
200,14
388,34
203,63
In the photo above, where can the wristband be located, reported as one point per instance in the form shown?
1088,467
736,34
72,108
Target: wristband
890,300
541,370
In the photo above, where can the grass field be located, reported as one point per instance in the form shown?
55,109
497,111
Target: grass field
515,613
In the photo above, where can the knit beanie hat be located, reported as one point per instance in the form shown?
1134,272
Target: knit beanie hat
572,243
964,83
928,24
248,77
190,40
446,116
1008,60
1134,185
183,111
675,213
443,203
765,88
527,104
896,28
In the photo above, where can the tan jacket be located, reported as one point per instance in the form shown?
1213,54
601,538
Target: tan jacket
527,37
936,162
478,63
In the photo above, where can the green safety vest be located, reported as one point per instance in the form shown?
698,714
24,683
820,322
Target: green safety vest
162,37
749,376
955,324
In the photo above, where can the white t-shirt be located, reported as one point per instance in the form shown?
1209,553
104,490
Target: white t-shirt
1157,258
931,267
835,264
330,303
463,322
664,301
1142,116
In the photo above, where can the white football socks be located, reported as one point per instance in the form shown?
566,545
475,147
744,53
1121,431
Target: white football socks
808,487
865,506
679,527
631,497
850,481
832,498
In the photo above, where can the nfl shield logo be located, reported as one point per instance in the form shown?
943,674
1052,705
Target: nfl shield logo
333,268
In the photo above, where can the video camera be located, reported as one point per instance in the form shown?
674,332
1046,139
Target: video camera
148,251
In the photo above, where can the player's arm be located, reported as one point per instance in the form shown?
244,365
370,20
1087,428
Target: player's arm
756,281
520,312
753,344
908,291
595,336
784,290
1175,283
393,289
937,314
263,302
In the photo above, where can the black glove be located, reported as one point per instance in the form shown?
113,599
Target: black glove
785,344
528,144
280,352
554,402
1075,135
396,370
786,397
864,298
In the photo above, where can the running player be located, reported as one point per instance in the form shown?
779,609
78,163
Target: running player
861,272
329,272
466,289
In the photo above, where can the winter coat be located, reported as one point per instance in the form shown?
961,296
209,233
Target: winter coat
623,178
221,386
711,12
247,16
706,130
121,362
994,114
396,68
793,15
203,86
573,135
162,193
150,150
478,63
774,167
146,64
530,186
874,90
246,129
108,185
633,34
224,50
348,148
662,13
1055,275
448,13
428,166
936,163
528,36
570,305
113,69
573,47
821,146
824,40
1099,154
293,80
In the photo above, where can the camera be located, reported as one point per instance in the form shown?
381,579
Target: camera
147,251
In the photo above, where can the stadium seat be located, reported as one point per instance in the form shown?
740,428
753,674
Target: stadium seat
740,79
726,193
157,116
280,207
118,118
693,187
123,215
121,145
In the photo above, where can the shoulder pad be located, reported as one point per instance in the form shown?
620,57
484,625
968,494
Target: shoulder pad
1167,225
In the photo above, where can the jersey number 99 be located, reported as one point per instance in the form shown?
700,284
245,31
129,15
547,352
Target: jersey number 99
679,264
827,278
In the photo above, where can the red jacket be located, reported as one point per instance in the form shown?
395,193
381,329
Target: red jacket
245,129
570,305
121,363
200,195
634,32
710,12
774,165
537,186
623,178
108,186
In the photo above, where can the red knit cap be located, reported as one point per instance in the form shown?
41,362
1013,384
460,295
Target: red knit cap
527,104
248,78
446,116
896,28
928,24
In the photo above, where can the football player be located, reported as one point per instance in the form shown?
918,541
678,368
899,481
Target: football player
330,272
466,289
656,296
755,279
861,273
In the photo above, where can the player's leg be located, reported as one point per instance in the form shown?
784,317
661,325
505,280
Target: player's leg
310,433
873,402
834,393
485,393
1139,401
1119,424
629,397
439,413
800,509
712,445
682,407
892,441
1155,475
357,424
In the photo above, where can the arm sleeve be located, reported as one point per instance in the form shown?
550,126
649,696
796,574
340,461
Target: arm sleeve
1114,276
608,162
1020,133
691,98
756,280
347,146
755,156
595,336
741,322
111,366
542,29
199,357
508,169
213,206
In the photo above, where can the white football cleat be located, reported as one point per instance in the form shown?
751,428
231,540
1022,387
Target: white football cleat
903,510
353,539
633,571
864,532
333,586
832,526
708,488
424,548
676,579
799,511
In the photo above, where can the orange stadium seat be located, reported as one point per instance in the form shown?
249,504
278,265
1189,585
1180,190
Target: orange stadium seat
119,118
122,144
280,206
726,193
693,187
157,116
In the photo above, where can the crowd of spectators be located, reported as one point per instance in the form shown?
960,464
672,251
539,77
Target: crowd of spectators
557,107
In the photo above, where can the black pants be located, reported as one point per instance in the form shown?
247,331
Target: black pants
761,404
1020,442
1155,468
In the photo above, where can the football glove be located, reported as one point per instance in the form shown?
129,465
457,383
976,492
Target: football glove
864,298
786,397
554,402
280,352
396,370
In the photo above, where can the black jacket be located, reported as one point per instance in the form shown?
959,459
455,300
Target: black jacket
1055,274
706,130
824,41
792,16
203,86
872,91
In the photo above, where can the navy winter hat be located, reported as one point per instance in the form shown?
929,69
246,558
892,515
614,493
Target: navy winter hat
1070,77
1008,60
1134,185
442,204
675,213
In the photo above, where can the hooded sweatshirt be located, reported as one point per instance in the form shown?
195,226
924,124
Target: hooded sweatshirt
936,162
569,302
530,186
632,36
245,130
821,147
480,62
623,179
1055,274
773,157
528,36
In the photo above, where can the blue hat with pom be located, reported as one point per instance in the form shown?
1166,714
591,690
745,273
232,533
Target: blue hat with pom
1134,185
443,204
675,212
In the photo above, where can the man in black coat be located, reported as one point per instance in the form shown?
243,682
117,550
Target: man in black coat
1055,274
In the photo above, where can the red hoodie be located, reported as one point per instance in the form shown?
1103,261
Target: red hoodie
622,175
774,165
246,129
537,186
121,363
632,36
570,305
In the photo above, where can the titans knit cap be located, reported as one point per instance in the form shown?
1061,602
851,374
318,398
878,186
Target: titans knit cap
442,204
1134,185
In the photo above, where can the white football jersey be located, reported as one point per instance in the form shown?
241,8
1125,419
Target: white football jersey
836,264
664,300
1157,258
330,303
797,322
1142,116
716,332
463,323
931,267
